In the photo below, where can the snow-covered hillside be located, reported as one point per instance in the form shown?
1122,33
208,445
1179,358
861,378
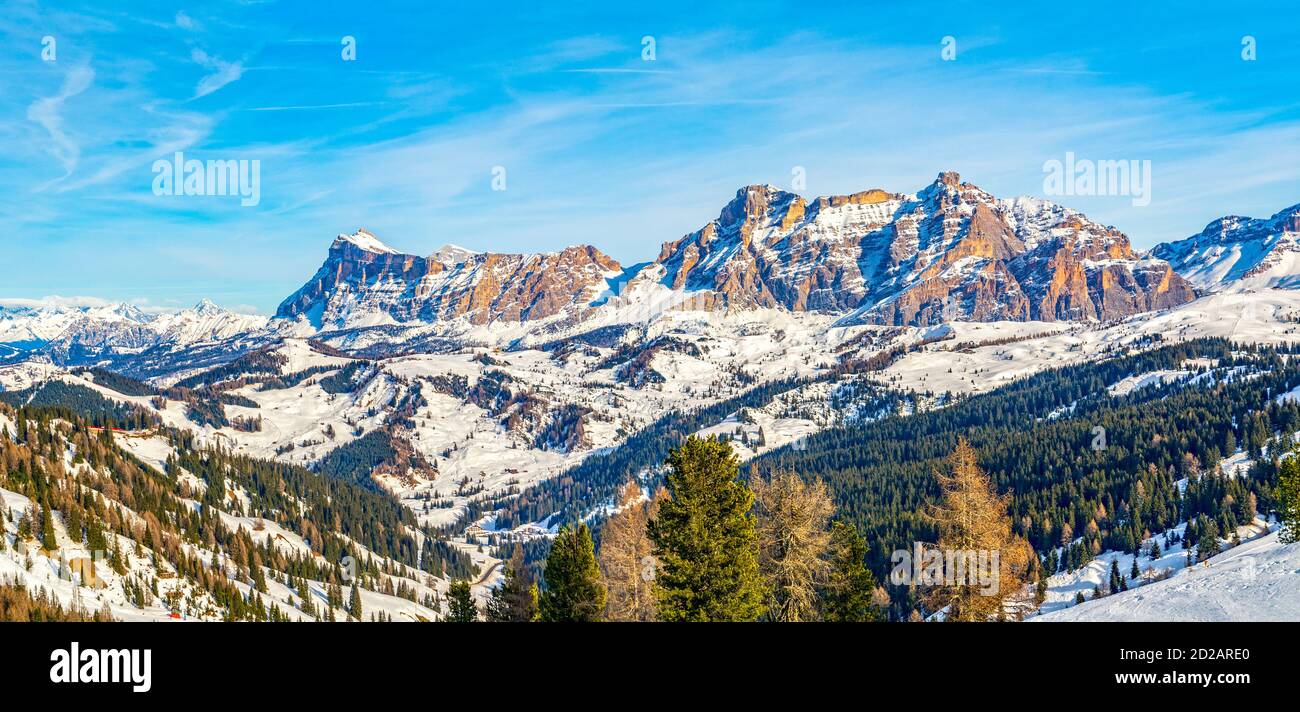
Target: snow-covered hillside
1256,581
132,582
510,408
1237,252
490,421
981,357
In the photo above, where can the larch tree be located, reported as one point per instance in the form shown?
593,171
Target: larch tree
574,590
792,518
972,522
704,538
627,559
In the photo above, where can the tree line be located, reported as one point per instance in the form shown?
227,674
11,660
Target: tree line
712,546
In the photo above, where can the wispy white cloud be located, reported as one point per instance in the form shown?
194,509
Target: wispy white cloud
53,300
223,72
578,171
174,131
48,112
313,107
614,70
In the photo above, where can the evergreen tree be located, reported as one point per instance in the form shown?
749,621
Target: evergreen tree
1288,497
257,574
515,599
460,603
74,524
574,590
848,595
25,525
705,539
354,603
48,542
1207,539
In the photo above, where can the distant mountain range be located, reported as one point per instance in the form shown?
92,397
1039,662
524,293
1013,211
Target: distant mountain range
77,334
949,252
1248,251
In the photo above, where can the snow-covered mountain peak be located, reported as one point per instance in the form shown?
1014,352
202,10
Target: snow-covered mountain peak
452,255
206,307
365,240
1240,252
948,188
77,334
123,310
949,251
362,287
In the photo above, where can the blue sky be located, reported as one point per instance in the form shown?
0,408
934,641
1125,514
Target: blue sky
599,145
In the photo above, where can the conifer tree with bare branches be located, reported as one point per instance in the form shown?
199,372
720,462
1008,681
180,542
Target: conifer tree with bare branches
793,518
972,517
627,560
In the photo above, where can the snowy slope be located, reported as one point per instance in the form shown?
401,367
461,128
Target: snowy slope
574,394
981,357
565,399
1238,252
1256,581
79,579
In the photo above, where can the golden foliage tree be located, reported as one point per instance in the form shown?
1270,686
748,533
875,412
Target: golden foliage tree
627,560
972,518
793,518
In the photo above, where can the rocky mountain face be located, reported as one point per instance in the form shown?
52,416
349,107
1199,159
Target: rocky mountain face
365,283
949,252
770,248
1254,252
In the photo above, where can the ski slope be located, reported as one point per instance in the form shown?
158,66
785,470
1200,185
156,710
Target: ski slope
1257,581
